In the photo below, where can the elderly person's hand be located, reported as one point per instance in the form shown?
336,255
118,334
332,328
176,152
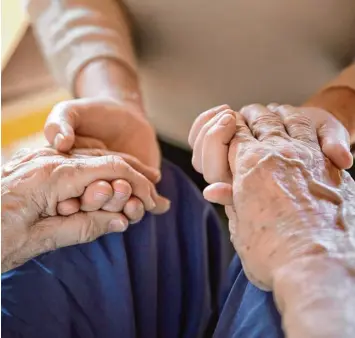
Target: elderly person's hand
292,220
209,156
103,124
34,185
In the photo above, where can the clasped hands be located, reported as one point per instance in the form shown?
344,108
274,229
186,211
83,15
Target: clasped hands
265,164
291,211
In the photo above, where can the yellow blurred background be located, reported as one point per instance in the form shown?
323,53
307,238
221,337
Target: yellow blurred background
28,92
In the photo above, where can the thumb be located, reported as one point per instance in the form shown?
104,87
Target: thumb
220,193
60,126
335,144
78,228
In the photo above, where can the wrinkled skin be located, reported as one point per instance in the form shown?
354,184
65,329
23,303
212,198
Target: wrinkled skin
210,142
291,219
97,123
302,192
33,185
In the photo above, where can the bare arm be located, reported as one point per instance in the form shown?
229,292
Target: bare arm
88,46
338,97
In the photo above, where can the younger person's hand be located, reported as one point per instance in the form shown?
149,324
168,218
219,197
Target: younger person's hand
115,196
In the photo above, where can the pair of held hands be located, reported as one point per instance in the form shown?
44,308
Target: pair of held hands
98,190
291,211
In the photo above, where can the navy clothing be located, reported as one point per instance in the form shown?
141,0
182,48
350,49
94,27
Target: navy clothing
161,278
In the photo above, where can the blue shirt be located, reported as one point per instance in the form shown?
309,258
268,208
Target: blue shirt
164,277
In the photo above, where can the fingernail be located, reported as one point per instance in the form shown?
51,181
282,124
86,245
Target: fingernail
168,205
225,120
58,139
118,225
99,196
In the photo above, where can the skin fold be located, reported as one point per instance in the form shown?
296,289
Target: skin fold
34,183
291,219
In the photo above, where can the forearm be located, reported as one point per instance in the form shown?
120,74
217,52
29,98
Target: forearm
338,97
87,44
315,297
109,78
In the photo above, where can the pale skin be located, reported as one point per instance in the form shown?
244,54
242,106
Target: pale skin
291,214
35,183
113,81
110,114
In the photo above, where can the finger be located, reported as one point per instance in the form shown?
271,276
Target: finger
338,152
121,193
134,210
272,106
242,137
298,125
262,122
334,140
201,120
220,193
81,227
60,126
198,145
23,156
73,175
68,207
88,143
162,203
215,150
96,195
152,174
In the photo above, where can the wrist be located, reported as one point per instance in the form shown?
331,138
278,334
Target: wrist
340,102
110,79
309,289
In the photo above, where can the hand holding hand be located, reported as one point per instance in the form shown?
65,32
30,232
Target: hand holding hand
34,184
292,220
105,124
214,129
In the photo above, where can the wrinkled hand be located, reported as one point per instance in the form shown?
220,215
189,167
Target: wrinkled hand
33,184
103,124
292,220
282,183
213,130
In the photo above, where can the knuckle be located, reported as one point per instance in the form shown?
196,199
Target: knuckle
117,164
264,120
212,132
70,167
288,151
62,106
217,109
48,166
286,108
50,125
273,132
296,117
253,106
43,152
